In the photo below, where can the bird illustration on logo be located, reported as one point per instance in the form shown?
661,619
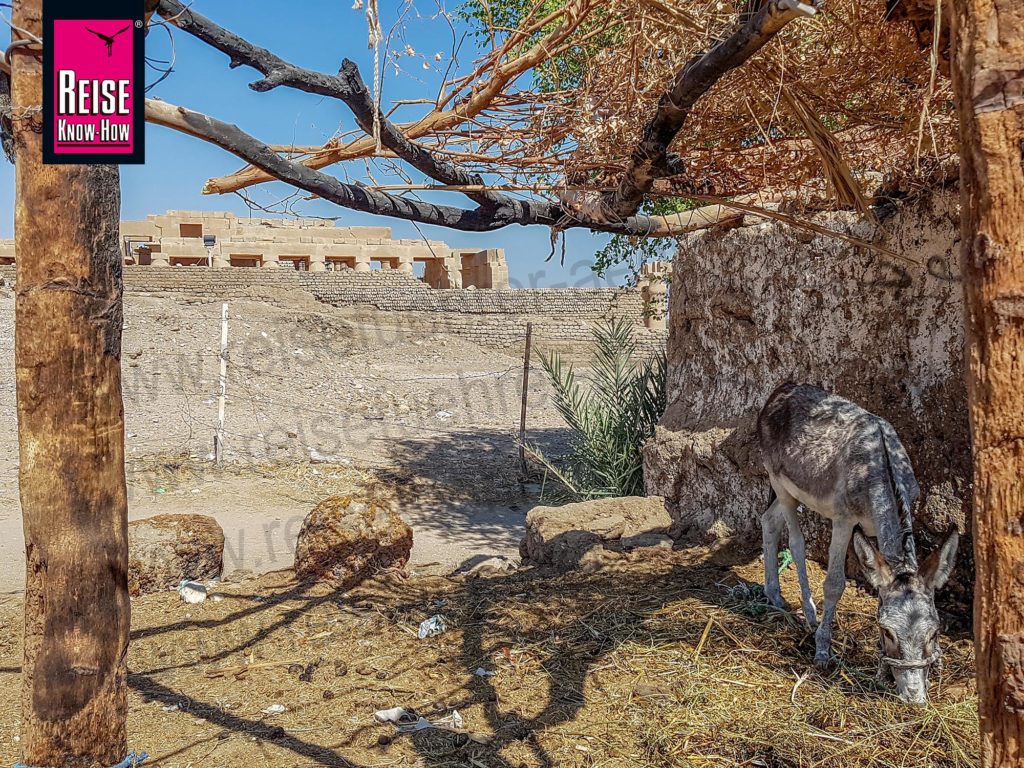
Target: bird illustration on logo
108,40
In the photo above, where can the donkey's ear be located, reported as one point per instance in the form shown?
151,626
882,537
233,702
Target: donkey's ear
939,564
876,569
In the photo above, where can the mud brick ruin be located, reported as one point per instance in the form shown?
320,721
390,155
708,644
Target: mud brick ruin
220,239
370,278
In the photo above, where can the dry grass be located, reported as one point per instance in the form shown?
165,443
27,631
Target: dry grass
669,661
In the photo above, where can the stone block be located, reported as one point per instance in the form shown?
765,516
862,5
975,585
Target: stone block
345,540
166,549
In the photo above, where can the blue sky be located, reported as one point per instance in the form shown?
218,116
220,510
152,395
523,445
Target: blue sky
316,34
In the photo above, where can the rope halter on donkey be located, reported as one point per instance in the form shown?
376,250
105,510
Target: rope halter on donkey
927,661
887,663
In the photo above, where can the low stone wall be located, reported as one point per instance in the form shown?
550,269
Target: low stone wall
270,285
494,318
759,305
488,317
401,293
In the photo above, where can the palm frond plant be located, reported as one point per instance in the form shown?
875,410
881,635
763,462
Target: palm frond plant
611,415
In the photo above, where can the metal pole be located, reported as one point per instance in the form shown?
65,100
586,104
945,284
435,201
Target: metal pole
526,389
218,439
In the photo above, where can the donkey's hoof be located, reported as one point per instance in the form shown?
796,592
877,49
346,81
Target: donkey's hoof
775,599
822,660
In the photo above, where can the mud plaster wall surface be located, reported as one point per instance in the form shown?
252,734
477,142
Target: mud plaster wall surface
758,305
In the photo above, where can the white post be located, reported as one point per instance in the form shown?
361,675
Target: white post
218,438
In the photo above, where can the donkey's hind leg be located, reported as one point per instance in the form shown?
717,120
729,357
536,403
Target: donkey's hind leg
772,520
798,549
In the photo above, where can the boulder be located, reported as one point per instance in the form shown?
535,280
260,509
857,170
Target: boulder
346,539
764,304
589,533
166,549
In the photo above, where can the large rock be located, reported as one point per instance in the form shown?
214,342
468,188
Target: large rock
588,533
165,549
758,305
345,540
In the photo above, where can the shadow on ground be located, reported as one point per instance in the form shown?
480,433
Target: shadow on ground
467,487
663,660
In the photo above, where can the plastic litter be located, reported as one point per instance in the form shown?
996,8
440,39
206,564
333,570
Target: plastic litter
435,625
315,457
453,720
481,672
274,709
192,592
406,720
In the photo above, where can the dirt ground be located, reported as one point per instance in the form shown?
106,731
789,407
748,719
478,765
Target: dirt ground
315,404
669,660
672,660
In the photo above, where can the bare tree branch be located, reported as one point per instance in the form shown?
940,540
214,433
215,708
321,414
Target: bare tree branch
347,86
481,219
259,155
651,159
616,211
487,82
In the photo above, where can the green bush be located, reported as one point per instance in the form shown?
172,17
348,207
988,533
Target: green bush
611,416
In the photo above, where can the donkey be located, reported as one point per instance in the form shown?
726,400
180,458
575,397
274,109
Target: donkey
849,466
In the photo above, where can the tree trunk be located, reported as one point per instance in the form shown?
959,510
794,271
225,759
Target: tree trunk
71,439
989,77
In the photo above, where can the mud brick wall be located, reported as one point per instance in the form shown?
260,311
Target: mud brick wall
502,331
270,285
395,292
488,317
495,318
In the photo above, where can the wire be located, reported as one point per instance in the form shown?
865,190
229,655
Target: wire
151,62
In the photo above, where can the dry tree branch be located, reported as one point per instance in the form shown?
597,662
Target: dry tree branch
650,159
478,126
481,219
490,78
347,86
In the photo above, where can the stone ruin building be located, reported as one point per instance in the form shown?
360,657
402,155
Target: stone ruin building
219,239
362,266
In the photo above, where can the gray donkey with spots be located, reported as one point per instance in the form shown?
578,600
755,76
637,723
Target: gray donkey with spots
848,466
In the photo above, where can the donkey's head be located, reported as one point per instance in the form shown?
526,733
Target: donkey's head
907,618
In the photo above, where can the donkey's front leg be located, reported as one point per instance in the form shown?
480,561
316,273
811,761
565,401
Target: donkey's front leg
835,583
798,549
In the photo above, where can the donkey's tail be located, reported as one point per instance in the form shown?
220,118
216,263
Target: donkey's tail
905,489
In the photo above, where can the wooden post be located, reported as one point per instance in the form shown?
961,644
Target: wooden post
218,438
526,391
988,71
67,354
